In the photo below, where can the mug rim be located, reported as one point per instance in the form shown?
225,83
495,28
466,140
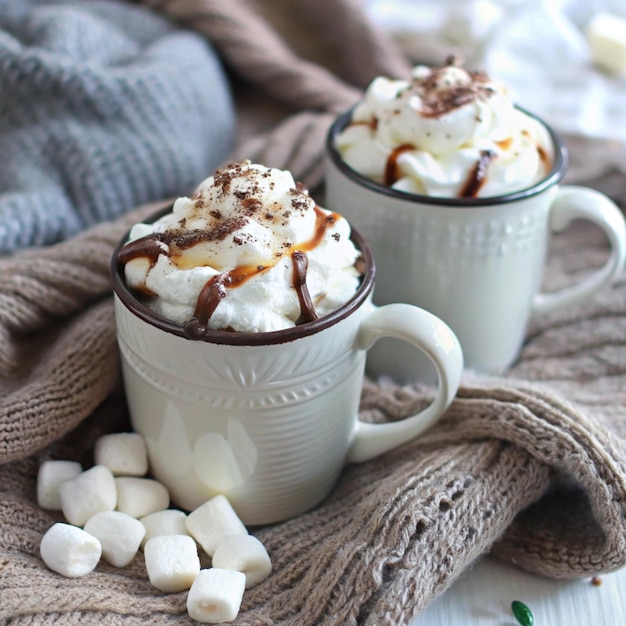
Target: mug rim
557,171
236,338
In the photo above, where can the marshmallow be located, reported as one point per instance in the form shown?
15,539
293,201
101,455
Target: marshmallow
172,562
212,521
140,496
606,35
216,595
88,493
51,475
69,550
246,554
124,454
119,535
166,522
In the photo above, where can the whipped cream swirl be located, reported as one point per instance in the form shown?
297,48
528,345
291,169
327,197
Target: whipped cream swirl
448,132
249,252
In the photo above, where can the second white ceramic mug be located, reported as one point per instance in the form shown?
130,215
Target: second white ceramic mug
269,419
476,263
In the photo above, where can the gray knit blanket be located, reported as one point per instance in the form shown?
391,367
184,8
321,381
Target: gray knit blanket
529,467
103,106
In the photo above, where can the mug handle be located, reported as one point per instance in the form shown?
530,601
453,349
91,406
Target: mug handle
433,337
573,202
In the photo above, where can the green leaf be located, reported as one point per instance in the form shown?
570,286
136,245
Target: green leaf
522,613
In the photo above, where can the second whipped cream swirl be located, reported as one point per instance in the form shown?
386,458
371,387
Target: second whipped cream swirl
448,132
249,252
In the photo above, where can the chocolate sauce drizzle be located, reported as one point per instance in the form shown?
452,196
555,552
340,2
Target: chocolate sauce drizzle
478,176
392,173
307,308
210,296
148,247
172,243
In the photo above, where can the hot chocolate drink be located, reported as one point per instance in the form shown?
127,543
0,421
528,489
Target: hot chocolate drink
244,317
456,189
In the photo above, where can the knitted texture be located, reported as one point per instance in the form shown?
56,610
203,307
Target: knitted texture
512,468
349,51
99,115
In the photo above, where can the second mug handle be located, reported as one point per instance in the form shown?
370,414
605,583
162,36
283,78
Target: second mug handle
573,202
433,337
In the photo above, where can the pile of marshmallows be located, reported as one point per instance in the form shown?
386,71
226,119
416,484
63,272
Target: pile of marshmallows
112,510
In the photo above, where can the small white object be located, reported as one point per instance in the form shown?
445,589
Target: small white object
216,595
124,454
88,493
172,562
119,535
246,554
212,521
166,522
51,475
69,550
140,496
606,35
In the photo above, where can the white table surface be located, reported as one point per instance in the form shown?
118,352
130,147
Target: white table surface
483,596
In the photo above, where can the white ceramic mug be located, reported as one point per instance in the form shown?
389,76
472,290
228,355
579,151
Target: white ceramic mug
477,263
269,419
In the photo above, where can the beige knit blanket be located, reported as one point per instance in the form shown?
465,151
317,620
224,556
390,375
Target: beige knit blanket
530,467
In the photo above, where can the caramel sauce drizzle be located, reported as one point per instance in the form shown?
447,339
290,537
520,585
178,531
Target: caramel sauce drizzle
322,222
372,124
543,157
216,288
